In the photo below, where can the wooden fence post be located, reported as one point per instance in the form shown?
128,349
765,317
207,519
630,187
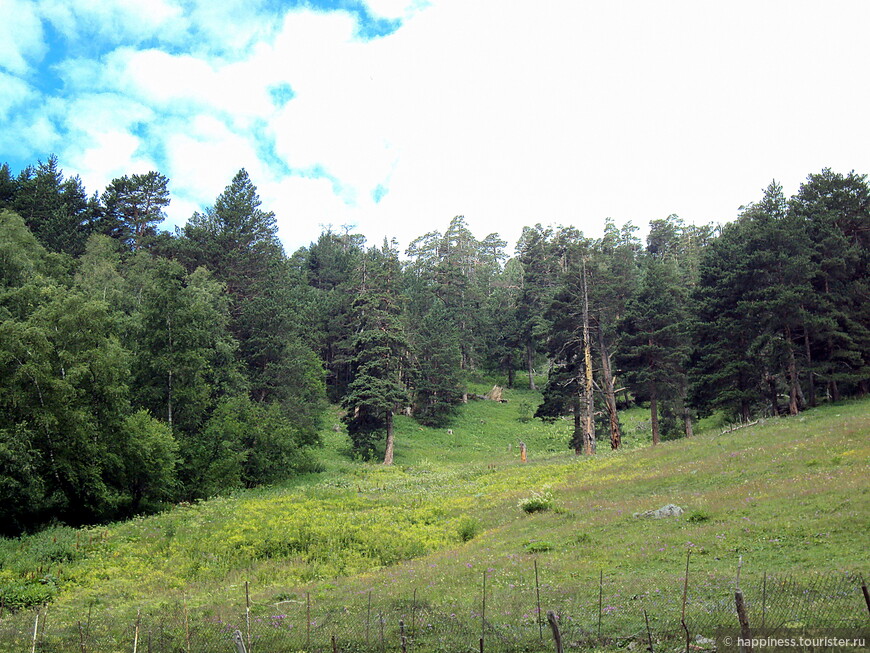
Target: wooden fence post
554,625
745,633
648,633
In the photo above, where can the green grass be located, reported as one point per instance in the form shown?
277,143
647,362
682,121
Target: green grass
788,496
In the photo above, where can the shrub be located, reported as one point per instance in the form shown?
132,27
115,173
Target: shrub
540,546
699,516
468,528
537,502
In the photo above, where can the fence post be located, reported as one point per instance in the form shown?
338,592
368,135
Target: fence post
742,617
538,594
402,640
866,594
483,613
35,629
554,625
136,631
82,638
648,633
414,616
685,595
368,618
600,599
239,641
307,620
248,614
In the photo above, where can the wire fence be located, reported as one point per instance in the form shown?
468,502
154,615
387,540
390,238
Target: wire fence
498,619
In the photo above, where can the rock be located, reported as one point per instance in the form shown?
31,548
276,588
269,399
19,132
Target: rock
669,510
705,642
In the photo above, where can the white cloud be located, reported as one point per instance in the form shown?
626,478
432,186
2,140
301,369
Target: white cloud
13,93
115,21
21,37
509,113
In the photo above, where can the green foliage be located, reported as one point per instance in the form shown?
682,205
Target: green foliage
699,516
379,353
539,546
468,528
538,501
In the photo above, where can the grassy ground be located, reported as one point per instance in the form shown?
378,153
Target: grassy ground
788,496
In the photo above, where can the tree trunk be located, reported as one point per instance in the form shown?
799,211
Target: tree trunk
811,377
578,431
835,390
654,416
793,382
588,400
609,394
388,453
771,386
530,356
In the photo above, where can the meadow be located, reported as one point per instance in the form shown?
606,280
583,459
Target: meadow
788,497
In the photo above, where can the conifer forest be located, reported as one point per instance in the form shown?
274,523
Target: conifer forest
140,368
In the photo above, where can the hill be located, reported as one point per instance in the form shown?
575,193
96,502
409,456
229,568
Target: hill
788,495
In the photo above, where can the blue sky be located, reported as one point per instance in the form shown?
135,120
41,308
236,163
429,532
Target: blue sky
396,115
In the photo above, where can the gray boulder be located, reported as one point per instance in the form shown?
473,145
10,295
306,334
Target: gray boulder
669,510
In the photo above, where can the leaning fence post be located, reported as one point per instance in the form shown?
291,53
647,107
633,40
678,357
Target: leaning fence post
554,625
239,641
685,594
35,630
866,594
648,633
136,630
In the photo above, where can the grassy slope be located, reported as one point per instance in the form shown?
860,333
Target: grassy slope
790,495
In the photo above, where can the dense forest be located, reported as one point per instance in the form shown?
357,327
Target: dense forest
140,367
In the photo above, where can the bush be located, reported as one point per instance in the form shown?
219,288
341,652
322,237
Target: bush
537,502
468,528
699,516
541,546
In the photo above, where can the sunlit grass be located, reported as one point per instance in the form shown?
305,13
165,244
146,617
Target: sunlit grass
789,495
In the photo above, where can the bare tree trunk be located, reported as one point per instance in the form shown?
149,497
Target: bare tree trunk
835,390
654,416
609,394
530,355
388,453
588,402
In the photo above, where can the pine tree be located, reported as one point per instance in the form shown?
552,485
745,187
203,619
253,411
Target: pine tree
379,355
655,345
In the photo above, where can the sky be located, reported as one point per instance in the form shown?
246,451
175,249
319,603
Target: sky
396,115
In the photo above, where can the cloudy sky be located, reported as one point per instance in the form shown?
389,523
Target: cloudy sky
396,115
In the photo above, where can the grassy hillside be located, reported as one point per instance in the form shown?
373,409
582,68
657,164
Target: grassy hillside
789,495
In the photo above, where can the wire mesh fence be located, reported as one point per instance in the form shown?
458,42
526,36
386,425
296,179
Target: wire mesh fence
500,618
